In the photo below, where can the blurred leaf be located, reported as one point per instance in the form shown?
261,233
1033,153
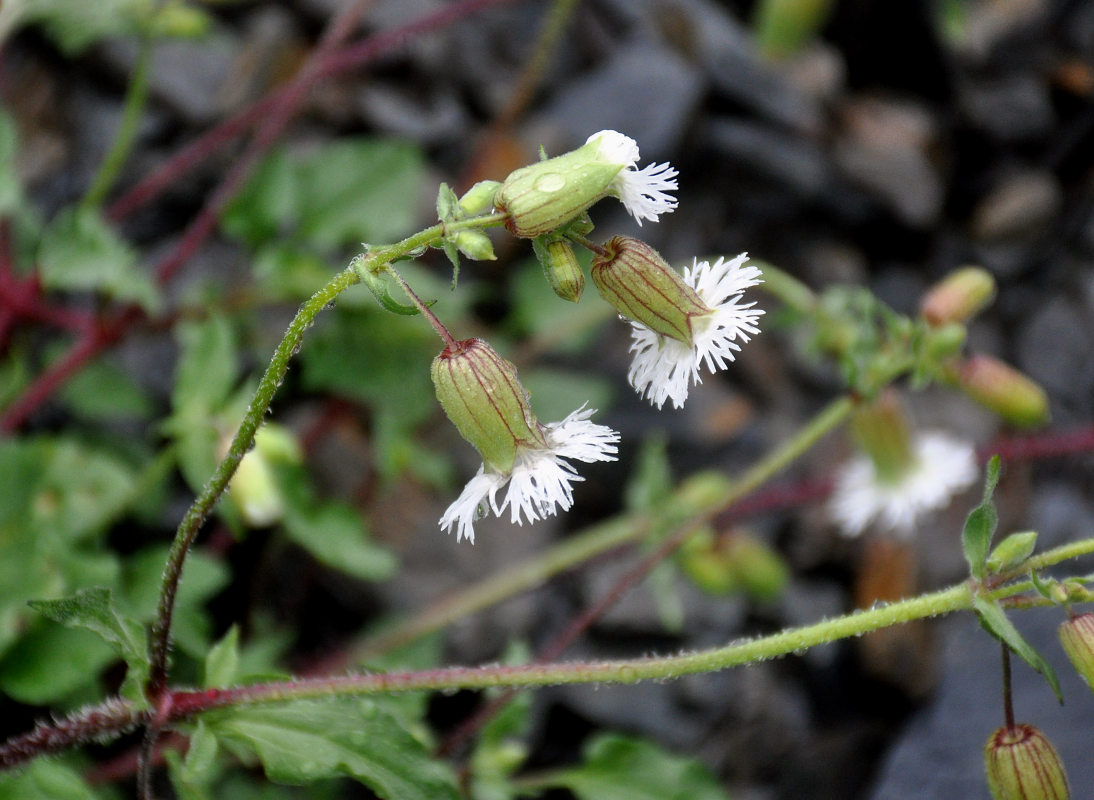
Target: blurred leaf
558,326
45,779
784,27
94,609
11,190
101,391
290,272
49,663
980,525
501,750
207,369
305,741
75,26
650,480
624,768
80,252
344,193
996,622
222,662
556,393
335,534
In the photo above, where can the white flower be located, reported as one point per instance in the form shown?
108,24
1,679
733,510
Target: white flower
540,479
943,466
643,192
664,367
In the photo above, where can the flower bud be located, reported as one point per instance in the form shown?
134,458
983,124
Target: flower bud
479,197
254,487
1001,388
1012,551
638,283
561,269
475,245
881,429
1021,764
959,296
1077,637
546,195
480,393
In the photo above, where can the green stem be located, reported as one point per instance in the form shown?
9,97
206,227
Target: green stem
135,98
699,499
374,260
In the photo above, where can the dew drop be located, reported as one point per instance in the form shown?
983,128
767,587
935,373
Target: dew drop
551,182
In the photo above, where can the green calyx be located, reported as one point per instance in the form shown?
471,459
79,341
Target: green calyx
640,285
544,196
480,393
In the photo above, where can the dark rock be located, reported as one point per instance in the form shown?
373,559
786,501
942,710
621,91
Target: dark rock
1020,206
1012,108
797,163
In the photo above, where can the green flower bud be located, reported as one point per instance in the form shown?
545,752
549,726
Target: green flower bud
881,429
1021,764
1001,388
958,297
254,487
638,283
1077,637
475,245
721,565
479,198
1013,550
545,196
480,393
946,341
560,268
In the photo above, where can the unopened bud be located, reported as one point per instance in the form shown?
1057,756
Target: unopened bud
1012,551
638,283
721,565
1004,390
561,269
480,393
254,487
476,245
546,195
1077,637
881,429
1021,764
959,296
479,198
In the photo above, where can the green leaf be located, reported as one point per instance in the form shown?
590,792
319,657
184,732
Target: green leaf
94,609
650,481
625,768
222,663
76,26
336,535
45,779
207,369
1013,550
305,741
102,391
996,622
263,209
980,525
80,252
501,750
49,664
11,190
556,393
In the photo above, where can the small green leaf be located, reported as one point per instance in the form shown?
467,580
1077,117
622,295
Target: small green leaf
201,756
49,664
95,610
996,622
448,205
650,481
222,663
102,391
11,190
625,768
980,525
305,741
80,252
207,369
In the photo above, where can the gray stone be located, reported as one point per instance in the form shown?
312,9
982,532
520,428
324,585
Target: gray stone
1011,108
645,91
1054,348
394,110
796,162
1020,206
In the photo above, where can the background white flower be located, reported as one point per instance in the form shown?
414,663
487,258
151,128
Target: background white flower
943,466
664,368
643,192
540,479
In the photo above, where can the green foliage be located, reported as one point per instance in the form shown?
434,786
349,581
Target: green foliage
625,768
11,191
80,252
46,779
996,622
784,27
344,193
94,609
304,741
101,392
